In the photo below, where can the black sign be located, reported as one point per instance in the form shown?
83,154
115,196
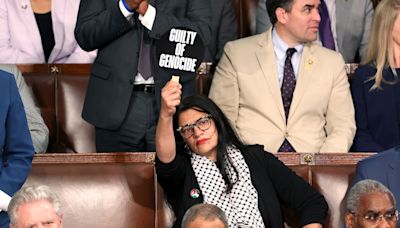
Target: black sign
180,51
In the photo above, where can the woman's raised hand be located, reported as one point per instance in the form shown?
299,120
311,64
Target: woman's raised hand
170,98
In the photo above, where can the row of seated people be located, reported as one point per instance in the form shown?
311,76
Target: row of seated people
190,128
205,129
110,74
321,106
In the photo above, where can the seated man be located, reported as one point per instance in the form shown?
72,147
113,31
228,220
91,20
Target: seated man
383,167
204,216
370,204
282,90
16,149
35,206
37,127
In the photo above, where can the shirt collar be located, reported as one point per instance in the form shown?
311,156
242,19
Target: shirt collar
280,46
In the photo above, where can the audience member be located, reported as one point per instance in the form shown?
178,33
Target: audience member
348,26
125,75
260,78
40,31
383,167
35,206
215,167
223,28
37,127
370,204
204,215
16,151
375,86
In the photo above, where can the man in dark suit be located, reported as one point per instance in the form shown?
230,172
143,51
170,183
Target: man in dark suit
123,94
224,28
383,167
16,148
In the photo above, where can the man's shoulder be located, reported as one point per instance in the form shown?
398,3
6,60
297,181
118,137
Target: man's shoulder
5,73
247,42
381,158
322,52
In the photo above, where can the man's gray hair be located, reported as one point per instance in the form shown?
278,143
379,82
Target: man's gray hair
364,187
208,212
31,194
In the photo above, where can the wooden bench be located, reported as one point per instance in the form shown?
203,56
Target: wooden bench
120,189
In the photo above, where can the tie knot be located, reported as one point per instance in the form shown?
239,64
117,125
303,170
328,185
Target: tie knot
290,52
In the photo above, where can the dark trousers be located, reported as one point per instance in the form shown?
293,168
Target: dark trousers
138,130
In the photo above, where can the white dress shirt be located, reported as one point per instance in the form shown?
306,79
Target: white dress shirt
280,48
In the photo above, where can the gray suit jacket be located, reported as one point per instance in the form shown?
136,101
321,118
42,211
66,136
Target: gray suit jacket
37,127
353,26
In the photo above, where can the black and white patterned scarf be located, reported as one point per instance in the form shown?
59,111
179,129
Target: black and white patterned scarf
241,203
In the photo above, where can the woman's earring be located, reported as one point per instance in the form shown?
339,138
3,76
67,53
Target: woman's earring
186,147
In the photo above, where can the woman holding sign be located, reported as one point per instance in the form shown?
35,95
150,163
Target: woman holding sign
206,162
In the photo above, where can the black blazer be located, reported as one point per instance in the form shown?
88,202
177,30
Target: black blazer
101,25
275,183
377,111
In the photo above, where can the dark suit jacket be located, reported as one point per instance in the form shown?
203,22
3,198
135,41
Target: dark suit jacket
383,167
16,148
224,28
377,111
275,183
102,26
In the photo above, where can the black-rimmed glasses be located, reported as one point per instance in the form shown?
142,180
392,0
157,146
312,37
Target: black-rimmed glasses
202,123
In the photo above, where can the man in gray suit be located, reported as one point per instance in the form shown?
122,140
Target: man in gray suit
351,26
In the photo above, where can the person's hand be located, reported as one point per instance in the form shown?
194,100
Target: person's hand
170,98
140,6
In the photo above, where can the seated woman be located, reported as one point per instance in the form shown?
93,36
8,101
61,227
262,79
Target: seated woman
375,86
40,31
208,163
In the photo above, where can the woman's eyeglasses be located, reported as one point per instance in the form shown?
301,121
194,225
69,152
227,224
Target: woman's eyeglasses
202,123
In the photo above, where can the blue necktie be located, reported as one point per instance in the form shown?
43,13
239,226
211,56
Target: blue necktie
287,89
325,29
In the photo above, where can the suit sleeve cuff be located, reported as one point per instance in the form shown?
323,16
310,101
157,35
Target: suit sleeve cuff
148,18
128,13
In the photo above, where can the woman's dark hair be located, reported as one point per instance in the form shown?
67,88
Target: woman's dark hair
226,134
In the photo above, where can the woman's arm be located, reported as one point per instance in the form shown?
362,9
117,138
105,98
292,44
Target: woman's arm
293,191
165,139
